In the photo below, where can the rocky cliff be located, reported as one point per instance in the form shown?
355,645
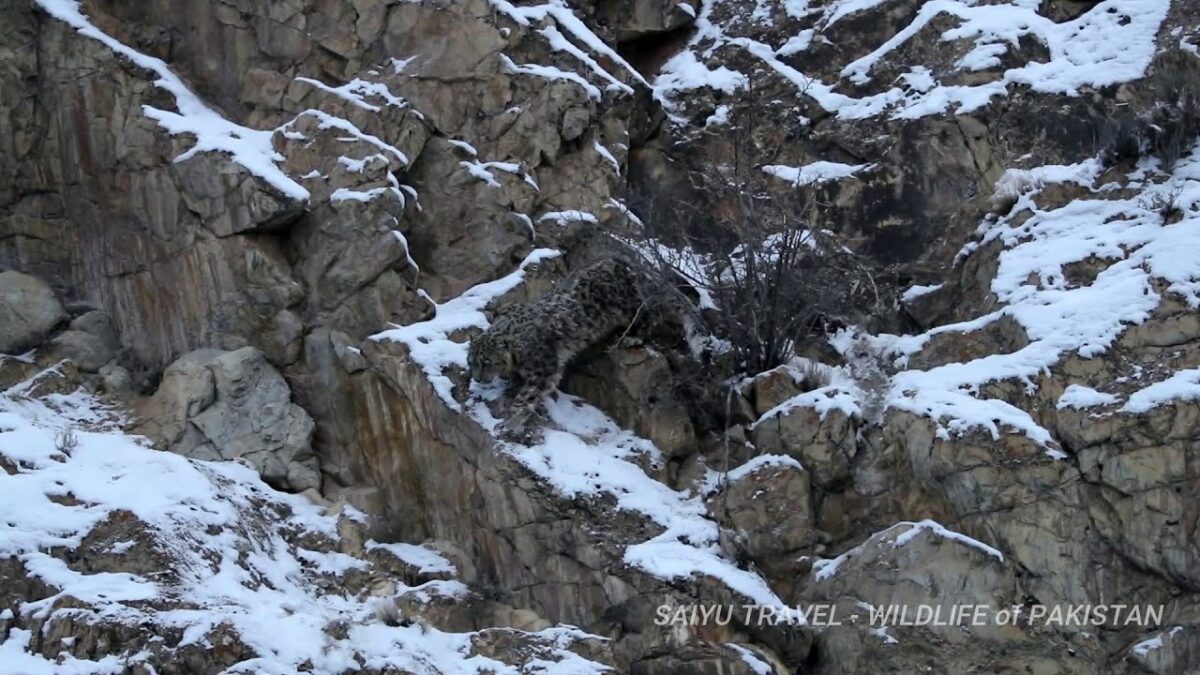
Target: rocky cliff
244,245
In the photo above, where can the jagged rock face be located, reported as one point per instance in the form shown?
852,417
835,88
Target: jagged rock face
209,264
161,276
915,564
386,166
789,84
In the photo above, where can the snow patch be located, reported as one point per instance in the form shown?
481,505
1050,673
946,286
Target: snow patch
223,529
817,172
936,529
564,18
356,92
483,170
1182,386
764,461
1157,642
551,73
427,561
1060,316
914,292
572,216
898,535
684,72
1079,397
751,659
1111,43
328,121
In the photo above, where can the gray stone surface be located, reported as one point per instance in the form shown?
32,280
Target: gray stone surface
29,310
234,405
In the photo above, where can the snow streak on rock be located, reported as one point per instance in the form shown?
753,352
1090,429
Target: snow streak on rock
250,148
429,341
816,172
1111,43
1141,249
898,535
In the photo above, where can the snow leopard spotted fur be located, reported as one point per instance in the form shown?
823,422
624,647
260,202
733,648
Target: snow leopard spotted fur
530,344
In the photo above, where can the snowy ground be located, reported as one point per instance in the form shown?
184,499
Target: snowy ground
236,556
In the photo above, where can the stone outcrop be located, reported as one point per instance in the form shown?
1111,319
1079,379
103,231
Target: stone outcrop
28,312
233,405
824,441
768,511
915,565
89,341
637,388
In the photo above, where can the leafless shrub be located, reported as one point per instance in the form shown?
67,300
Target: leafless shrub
816,375
65,440
1166,131
769,278
388,611
1165,203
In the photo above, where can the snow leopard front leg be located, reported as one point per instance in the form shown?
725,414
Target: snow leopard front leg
537,374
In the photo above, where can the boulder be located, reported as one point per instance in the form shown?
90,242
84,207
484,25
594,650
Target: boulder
1002,336
1165,651
88,351
922,563
825,442
116,379
90,341
767,508
217,405
773,387
638,389
930,572
229,199
28,312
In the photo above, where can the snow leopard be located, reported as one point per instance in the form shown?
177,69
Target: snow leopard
530,344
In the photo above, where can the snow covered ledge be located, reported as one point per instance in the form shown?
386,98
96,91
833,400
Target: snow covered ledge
249,148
